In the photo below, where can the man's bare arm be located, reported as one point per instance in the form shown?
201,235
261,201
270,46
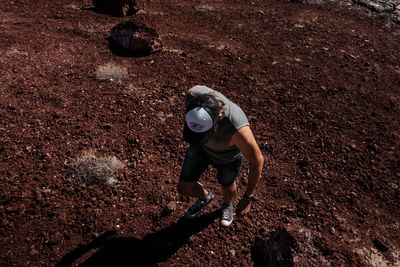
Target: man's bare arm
244,140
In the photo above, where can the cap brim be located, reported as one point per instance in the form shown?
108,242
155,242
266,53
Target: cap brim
196,138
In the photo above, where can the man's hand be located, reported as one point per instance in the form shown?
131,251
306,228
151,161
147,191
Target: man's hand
243,207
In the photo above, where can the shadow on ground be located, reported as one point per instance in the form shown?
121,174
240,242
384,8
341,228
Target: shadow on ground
153,248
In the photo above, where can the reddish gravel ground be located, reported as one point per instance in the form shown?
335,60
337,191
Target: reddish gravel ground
319,82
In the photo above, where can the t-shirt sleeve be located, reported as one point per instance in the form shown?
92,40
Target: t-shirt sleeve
240,120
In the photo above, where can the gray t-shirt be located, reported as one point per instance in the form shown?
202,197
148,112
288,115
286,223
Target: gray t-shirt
218,146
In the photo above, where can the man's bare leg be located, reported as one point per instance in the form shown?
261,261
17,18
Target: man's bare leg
228,193
192,189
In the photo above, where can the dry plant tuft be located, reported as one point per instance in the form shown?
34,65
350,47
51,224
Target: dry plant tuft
91,169
111,71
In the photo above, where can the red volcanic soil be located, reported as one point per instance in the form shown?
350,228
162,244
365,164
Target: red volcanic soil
320,85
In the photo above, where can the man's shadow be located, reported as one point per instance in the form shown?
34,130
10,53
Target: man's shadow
148,251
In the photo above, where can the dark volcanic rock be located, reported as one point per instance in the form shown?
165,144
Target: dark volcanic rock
116,7
135,38
275,250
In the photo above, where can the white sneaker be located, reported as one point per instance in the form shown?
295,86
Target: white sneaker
227,215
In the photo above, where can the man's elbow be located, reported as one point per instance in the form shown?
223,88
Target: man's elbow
258,161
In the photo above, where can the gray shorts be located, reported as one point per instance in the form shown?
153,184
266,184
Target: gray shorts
197,161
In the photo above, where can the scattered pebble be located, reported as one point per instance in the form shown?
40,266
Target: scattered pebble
171,205
204,8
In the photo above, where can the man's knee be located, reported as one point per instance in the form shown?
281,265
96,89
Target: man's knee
229,187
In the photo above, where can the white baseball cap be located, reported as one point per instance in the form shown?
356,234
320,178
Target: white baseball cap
201,116
198,120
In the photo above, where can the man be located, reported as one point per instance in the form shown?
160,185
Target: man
219,134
